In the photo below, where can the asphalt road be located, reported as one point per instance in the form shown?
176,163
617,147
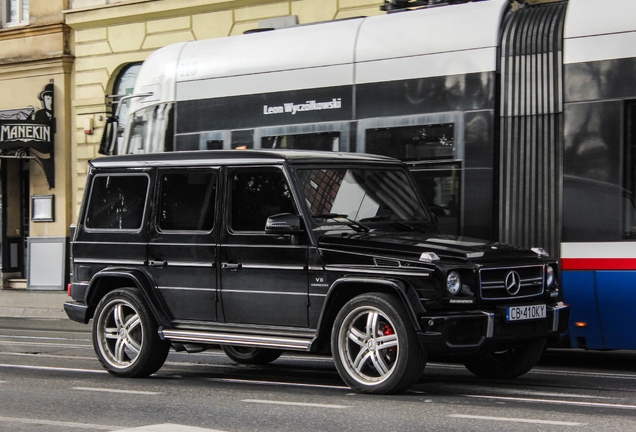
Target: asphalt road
51,381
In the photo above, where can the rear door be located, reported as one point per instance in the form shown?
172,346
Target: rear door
182,243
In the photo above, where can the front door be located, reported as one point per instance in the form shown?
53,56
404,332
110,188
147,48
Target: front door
182,243
264,277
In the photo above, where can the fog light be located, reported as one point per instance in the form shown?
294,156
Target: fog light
453,283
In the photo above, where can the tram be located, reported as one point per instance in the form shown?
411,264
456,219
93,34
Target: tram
517,118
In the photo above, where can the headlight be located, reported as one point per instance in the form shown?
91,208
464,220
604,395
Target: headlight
453,283
549,276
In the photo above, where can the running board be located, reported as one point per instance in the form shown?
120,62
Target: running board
236,339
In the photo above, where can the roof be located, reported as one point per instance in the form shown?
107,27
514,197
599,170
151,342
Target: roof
227,157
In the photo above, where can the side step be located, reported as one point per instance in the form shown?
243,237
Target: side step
202,337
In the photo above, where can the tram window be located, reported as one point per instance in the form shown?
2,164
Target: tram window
327,141
440,187
408,143
151,130
629,211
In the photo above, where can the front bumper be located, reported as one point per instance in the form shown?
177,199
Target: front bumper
472,331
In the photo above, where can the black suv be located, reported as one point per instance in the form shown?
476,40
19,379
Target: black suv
266,251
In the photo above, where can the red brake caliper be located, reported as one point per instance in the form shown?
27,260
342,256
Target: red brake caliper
388,330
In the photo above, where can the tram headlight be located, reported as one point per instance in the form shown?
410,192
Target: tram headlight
453,283
550,276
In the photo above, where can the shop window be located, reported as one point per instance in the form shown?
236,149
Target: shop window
15,12
187,201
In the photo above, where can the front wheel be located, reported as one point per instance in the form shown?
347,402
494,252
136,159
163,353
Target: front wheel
509,363
375,347
249,355
125,335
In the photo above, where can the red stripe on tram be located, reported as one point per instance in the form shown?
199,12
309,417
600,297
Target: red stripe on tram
598,264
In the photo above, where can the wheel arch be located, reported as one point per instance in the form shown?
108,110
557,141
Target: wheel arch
346,288
111,279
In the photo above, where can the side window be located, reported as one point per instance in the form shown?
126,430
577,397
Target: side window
412,143
117,202
324,141
257,194
187,201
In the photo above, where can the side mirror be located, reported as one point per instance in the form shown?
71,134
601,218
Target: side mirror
284,223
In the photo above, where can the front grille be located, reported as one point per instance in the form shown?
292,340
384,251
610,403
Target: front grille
467,331
511,283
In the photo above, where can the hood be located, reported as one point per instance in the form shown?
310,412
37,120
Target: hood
410,245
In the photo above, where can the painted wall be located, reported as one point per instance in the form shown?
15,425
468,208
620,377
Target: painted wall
108,35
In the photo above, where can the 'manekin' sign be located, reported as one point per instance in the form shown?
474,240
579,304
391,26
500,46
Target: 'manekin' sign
28,127
25,132
29,133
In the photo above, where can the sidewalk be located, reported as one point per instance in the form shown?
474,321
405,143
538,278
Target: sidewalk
22,303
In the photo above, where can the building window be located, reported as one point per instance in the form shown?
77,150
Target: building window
16,12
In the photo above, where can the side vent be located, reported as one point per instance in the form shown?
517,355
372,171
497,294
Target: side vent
384,262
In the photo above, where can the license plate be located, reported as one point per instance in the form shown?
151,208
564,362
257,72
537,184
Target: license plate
522,313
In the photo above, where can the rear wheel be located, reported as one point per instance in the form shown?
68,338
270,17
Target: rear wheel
375,347
125,335
250,355
509,363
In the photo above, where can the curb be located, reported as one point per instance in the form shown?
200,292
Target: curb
32,304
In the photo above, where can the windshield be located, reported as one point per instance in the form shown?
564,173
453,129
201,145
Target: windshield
354,196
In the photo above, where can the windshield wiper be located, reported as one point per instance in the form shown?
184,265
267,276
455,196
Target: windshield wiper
385,218
357,226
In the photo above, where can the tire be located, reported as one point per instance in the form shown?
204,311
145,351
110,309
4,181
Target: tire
249,355
125,335
510,363
375,347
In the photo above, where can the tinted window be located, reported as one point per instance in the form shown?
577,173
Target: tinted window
256,195
117,202
413,142
187,201
361,194
327,141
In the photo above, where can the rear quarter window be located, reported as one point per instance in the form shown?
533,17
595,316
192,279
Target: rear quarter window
117,202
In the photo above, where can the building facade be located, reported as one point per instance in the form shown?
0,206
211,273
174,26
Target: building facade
60,63
112,37
35,145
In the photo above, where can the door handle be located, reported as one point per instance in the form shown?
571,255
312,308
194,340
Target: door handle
231,266
153,263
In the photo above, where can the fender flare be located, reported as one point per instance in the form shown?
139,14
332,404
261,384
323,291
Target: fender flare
405,292
99,286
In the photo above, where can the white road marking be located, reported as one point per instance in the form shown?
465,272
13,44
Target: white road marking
302,404
168,427
47,344
556,402
42,338
548,394
105,390
83,426
516,420
277,383
49,368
